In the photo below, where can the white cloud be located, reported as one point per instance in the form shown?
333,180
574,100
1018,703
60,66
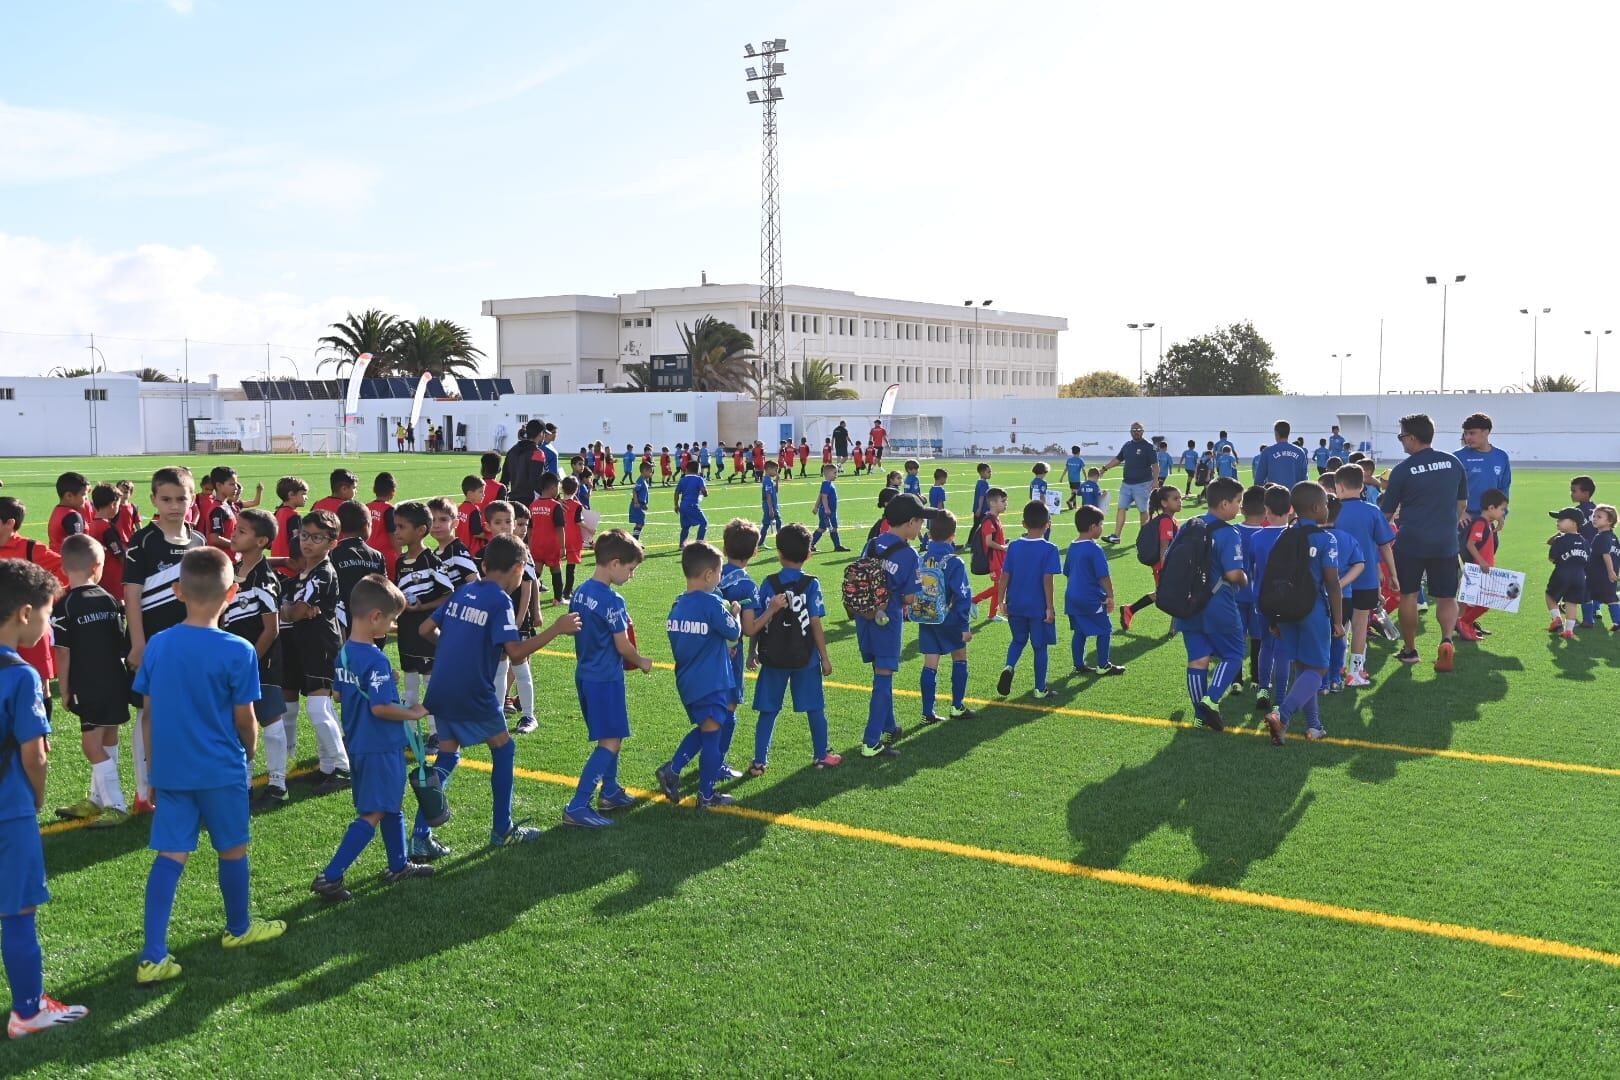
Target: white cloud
179,7
46,146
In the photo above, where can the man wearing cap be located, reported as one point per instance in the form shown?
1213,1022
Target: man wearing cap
1429,493
1141,475
880,638
1486,466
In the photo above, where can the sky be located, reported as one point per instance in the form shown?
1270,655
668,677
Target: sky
242,174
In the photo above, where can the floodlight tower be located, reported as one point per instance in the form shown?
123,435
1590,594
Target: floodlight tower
773,347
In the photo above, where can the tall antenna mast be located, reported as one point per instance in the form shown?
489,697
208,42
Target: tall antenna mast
772,346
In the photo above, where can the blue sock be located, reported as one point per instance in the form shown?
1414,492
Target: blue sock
819,740
1040,667
504,760
763,730
1015,648
233,889
1104,640
709,763
1077,649
1614,614
25,963
1336,653
161,883
703,531
1589,611
879,709
589,776
393,838
1197,684
1222,678
359,834
958,682
444,763
610,776
815,537
930,687
836,542
728,731
1302,693
685,531
691,743
1313,715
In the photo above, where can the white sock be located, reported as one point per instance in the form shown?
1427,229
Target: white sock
274,739
413,689
1569,625
525,689
1358,662
104,781
137,751
501,670
289,731
328,735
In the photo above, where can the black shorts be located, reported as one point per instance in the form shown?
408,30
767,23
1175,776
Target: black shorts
414,663
100,714
1074,487
1599,589
307,666
1366,600
1444,573
1567,588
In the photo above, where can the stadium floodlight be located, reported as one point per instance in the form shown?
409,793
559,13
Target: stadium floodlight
1535,341
751,73
1445,286
753,97
776,93
771,346
1140,328
749,49
1597,347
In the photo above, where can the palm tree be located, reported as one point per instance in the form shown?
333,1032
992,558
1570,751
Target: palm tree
1555,384
818,382
434,345
374,331
151,374
74,372
636,377
722,356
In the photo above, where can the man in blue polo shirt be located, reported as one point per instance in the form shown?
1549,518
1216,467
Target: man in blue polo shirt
1282,462
1140,459
1337,444
1485,465
1429,493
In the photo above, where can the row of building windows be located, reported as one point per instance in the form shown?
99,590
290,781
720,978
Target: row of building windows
915,373
840,326
628,323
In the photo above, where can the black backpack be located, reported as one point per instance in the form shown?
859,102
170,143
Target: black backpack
1185,584
1201,474
1288,590
1147,542
978,554
785,641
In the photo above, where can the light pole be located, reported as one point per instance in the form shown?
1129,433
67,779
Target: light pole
1445,288
1597,346
95,434
1140,328
1535,342
973,346
1341,358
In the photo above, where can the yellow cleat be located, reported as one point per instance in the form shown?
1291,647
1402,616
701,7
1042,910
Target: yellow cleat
79,811
258,930
110,818
150,974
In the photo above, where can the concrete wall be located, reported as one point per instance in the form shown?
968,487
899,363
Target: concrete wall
51,417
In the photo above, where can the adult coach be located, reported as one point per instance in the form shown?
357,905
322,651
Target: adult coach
515,471
878,437
1140,459
1282,462
1429,491
1486,466
1337,444
840,439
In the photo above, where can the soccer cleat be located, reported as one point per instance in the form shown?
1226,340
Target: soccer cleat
669,782
880,750
1467,631
149,974
1110,539
1336,686
1556,626
110,818
619,800
1358,679
841,549
143,806
333,782
719,798
517,834
1316,734
1262,701
1274,724
1208,718
427,848
405,873
585,818
829,761
1586,626
258,930
510,706
526,726
1423,609
52,1013
757,768
729,773
1042,693
1615,629
930,718
1482,632
894,734
1110,670
1237,687
1087,669
1445,657
1408,656
996,618
270,797
1004,682
1567,635
1126,617
83,810
331,891
962,712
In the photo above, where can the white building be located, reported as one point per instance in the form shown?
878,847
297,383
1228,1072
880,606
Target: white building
567,344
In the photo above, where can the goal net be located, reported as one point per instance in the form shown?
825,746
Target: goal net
915,436
330,442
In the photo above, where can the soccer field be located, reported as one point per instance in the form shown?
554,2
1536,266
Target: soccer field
1081,885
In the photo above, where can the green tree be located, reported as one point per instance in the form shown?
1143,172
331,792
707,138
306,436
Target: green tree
1099,384
1555,384
817,382
722,356
434,345
373,331
636,377
152,374
74,372
1231,361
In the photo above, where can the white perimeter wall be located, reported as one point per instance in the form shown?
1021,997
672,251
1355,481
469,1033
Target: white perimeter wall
51,418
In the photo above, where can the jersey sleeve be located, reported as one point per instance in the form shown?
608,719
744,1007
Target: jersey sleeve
243,672
134,565
1049,560
29,720
723,622
813,599
1099,563
1229,549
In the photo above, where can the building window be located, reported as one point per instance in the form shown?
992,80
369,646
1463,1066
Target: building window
793,323
816,319
601,375
95,395
8,393
753,320
627,324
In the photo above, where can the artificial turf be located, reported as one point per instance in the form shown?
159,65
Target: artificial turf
786,940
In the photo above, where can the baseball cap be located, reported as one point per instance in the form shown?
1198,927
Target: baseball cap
903,508
1570,512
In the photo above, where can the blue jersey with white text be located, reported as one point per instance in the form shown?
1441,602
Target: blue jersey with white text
364,678
602,616
701,630
475,623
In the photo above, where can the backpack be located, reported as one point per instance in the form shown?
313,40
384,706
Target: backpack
1288,590
866,587
1147,542
1201,474
1185,584
933,601
785,640
978,554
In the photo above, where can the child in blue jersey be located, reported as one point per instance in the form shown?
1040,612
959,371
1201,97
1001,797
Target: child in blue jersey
936,494
1091,489
629,460
1075,470
1351,565
827,509
1582,489
702,629
1603,568
1321,456
1273,667
1226,464
1189,462
703,458
789,603
200,684
1307,645
1254,518
27,593
604,648
640,497
473,628
1216,633
1161,449
912,484
770,503
1088,598
880,637
689,493
374,732
981,490
1026,594
949,637
1038,486
1570,553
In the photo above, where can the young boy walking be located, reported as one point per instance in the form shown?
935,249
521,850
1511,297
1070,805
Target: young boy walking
827,509
701,628
1026,592
994,541
792,649
690,491
881,636
1088,596
945,632
1215,633
87,628
1306,643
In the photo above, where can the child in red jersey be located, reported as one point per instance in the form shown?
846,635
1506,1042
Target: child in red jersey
739,468
284,551
107,527
219,525
547,534
1479,547
13,545
759,460
664,468
382,520
786,460
1164,503
343,483
858,456
827,452
995,547
804,455
610,468
470,528
573,532
202,505
68,516
489,467
129,515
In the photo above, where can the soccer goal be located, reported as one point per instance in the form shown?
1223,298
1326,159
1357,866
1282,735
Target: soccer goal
916,436
331,442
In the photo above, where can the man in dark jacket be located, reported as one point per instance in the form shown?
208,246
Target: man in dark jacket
515,471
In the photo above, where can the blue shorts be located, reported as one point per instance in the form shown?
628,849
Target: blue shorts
880,645
1308,642
1599,589
22,866
824,522
271,705
940,640
715,706
772,684
1039,632
603,705
1217,631
379,782
1566,586
1095,624
735,655
470,730
638,516
180,816
691,519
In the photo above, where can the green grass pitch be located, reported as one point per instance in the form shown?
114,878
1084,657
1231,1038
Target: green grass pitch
923,915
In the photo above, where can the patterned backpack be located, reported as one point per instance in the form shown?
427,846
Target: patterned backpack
866,587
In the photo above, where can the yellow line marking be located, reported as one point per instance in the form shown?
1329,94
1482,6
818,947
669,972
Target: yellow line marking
81,823
1293,905
1161,722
